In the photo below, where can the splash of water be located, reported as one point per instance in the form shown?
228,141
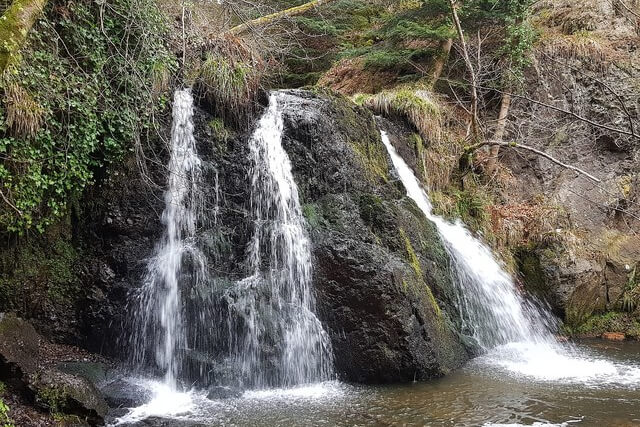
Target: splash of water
274,306
159,334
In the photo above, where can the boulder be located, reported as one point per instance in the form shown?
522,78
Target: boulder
60,392
19,345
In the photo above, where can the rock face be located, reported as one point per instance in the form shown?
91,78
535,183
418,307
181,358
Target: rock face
384,291
380,271
587,63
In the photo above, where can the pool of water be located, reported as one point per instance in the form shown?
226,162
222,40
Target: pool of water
598,385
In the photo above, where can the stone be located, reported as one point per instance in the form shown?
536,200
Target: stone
19,347
60,392
613,336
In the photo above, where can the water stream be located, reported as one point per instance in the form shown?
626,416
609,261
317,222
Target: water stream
158,332
276,301
515,335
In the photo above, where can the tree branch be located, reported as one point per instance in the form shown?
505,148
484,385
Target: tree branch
547,156
469,65
267,19
562,110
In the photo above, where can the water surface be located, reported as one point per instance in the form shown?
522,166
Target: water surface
604,390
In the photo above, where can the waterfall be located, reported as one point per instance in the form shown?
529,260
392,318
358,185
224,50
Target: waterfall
159,334
494,312
281,342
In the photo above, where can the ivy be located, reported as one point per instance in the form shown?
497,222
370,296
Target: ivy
77,105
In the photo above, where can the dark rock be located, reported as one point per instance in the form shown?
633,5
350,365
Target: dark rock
219,392
93,371
19,346
64,393
381,272
120,393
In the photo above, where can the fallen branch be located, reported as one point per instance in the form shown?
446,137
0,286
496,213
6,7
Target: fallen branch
267,19
547,156
6,200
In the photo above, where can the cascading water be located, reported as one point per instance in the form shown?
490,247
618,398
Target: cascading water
273,307
514,333
159,336
493,311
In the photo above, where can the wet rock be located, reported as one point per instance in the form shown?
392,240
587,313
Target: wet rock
220,392
120,393
381,273
93,371
19,347
64,393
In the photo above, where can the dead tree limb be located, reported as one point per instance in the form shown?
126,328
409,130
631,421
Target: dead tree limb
547,156
283,14
567,112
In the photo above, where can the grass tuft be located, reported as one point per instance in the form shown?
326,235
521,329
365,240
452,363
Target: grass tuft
24,114
231,76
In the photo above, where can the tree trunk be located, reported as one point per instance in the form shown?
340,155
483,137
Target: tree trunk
498,136
441,60
287,13
475,126
15,24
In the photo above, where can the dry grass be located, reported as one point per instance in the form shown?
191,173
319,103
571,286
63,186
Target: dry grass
426,113
231,76
24,114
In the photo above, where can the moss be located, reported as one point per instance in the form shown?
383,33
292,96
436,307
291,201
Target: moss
40,273
418,147
411,254
53,398
528,264
15,24
372,210
310,213
219,130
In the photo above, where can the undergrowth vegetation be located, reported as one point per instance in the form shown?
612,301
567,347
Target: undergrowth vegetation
92,86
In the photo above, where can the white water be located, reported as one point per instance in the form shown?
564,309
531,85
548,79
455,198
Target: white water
515,335
279,261
159,319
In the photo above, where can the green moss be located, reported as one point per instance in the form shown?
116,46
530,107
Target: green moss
612,321
219,130
41,272
310,213
470,205
411,254
53,398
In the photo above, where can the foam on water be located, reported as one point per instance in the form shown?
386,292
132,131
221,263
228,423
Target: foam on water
165,402
324,390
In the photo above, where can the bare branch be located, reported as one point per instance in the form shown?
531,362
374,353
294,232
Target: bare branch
568,112
469,65
533,150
